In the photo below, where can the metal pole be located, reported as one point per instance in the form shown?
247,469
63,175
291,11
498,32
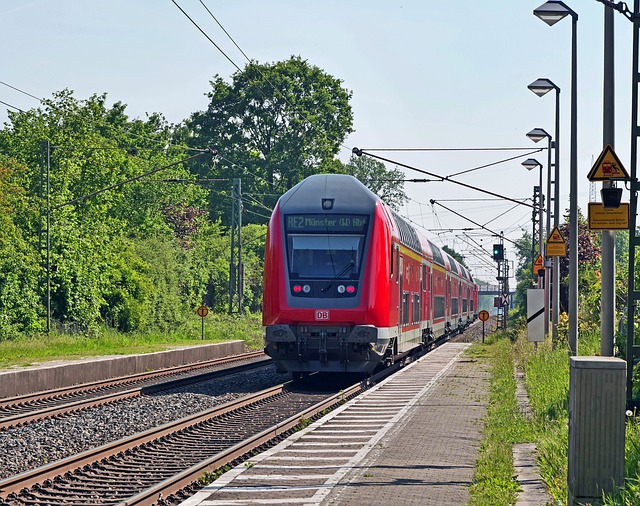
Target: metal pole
533,235
47,154
240,276
607,297
556,221
236,270
632,293
547,271
232,267
573,195
540,227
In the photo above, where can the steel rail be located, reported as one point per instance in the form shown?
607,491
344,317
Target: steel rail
57,409
29,478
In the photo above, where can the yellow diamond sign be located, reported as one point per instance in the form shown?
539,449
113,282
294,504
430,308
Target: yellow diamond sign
556,247
608,167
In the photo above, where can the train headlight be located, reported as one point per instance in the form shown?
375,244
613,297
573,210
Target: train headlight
351,289
297,288
306,288
341,289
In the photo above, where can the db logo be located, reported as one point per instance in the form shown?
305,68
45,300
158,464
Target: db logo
322,314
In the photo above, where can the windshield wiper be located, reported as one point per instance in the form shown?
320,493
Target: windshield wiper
342,272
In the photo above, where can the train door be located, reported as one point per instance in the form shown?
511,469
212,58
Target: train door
447,300
430,314
401,308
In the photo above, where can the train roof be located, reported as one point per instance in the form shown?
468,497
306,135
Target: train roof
346,194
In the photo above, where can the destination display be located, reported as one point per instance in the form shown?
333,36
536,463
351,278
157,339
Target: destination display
327,223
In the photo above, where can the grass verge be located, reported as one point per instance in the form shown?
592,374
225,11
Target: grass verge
25,351
494,481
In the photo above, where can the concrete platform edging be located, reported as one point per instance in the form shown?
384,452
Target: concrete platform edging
47,377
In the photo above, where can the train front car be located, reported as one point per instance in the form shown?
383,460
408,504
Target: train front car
326,306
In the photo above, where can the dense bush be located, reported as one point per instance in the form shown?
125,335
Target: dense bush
138,256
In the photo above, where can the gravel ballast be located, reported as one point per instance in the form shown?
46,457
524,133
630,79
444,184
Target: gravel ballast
37,444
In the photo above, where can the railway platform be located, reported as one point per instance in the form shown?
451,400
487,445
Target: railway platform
411,440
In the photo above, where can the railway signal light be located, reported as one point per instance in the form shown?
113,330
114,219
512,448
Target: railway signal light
498,252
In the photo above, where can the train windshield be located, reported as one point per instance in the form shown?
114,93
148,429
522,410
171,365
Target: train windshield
332,250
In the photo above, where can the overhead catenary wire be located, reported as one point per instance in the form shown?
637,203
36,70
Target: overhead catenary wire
469,219
135,178
496,163
129,133
21,91
450,149
12,106
225,31
205,34
360,152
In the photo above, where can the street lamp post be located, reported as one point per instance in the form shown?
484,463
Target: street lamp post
541,87
551,12
536,135
530,164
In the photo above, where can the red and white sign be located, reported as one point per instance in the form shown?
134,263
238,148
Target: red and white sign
322,314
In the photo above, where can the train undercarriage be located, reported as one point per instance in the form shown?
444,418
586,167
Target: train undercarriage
304,349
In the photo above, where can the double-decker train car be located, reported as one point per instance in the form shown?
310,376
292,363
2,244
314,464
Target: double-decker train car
349,284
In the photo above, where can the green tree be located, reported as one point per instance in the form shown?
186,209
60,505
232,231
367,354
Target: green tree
274,125
102,268
388,184
19,262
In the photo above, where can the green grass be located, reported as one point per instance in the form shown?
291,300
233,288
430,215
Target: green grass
629,495
547,384
25,351
494,482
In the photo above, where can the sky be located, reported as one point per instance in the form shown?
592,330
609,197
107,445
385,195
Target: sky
447,78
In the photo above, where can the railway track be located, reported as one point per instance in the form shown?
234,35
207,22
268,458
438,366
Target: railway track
164,464
25,409
159,462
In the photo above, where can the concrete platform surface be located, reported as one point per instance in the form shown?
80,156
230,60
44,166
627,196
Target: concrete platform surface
411,440
14,382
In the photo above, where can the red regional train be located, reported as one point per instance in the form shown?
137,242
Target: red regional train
349,284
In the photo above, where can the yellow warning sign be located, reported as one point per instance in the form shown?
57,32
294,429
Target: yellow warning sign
555,236
556,247
537,265
608,167
607,218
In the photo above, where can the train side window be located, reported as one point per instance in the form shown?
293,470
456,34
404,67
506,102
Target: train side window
398,273
391,263
405,308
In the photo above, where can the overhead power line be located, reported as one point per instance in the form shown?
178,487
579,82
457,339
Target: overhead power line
21,91
360,152
12,106
116,185
205,34
470,220
449,149
225,31
496,163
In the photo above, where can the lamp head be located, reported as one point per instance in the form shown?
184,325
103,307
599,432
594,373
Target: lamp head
537,134
542,86
553,11
531,163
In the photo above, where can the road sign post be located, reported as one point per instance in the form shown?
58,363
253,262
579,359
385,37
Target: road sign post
202,312
483,316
